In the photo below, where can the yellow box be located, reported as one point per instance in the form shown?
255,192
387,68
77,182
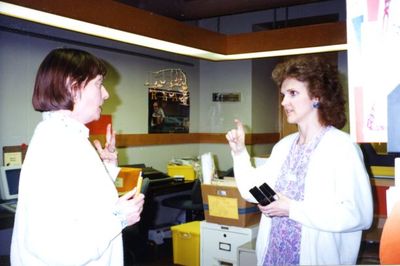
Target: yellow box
186,171
382,171
186,243
127,179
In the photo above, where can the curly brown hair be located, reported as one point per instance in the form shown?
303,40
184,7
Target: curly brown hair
323,82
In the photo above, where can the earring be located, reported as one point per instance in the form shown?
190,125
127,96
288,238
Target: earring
315,105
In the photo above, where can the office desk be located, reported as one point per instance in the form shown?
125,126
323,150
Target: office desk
155,189
6,219
158,187
137,247
135,237
6,227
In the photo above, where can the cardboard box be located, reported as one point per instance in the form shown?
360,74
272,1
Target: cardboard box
224,205
186,243
187,171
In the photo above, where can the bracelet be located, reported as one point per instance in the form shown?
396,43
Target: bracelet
121,217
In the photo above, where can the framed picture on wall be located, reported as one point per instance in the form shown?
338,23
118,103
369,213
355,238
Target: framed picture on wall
167,112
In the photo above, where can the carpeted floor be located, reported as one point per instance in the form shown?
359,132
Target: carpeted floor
161,255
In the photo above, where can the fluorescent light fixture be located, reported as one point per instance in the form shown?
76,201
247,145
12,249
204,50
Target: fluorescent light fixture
96,30
132,38
307,50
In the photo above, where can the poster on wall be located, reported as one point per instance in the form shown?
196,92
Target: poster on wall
373,39
168,113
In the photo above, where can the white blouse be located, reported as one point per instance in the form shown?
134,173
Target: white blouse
66,200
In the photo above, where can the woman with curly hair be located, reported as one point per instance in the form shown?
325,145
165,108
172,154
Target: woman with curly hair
324,195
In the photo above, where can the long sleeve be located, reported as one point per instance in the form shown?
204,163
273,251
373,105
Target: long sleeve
338,197
65,210
247,176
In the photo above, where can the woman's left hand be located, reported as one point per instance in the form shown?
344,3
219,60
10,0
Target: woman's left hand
131,205
279,207
109,153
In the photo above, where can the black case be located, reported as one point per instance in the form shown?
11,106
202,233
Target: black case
259,196
264,195
268,192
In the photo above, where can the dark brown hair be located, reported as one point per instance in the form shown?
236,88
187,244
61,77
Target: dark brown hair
60,75
323,82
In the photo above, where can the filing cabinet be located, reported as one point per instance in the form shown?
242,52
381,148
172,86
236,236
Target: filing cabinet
219,243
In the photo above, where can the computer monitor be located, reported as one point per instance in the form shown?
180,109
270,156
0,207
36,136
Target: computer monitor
9,182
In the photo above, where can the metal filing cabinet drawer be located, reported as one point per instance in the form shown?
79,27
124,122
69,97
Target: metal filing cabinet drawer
219,243
247,254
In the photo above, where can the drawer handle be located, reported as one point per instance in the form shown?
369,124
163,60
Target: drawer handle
184,235
224,246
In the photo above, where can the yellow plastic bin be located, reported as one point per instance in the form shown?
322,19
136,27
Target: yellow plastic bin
186,243
186,171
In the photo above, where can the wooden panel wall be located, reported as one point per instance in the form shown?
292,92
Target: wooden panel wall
135,140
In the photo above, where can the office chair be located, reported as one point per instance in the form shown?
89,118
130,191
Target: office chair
192,204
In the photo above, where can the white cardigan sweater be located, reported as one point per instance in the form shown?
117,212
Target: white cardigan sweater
337,203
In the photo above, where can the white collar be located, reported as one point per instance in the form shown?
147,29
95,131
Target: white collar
64,117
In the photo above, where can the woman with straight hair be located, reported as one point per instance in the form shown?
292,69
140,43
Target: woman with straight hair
69,211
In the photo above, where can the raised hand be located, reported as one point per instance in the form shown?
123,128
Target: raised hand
108,153
236,138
